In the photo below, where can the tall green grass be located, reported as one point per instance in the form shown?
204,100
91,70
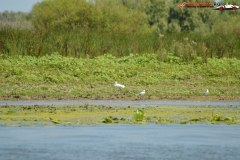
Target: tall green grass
92,43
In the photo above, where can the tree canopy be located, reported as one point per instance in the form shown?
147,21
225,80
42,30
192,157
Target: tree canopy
121,27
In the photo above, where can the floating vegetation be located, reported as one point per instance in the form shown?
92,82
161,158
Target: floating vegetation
114,120
54,121
107,120
99,114
10,112
139,116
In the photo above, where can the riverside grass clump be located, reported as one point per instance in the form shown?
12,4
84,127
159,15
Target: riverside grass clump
58,77
74,115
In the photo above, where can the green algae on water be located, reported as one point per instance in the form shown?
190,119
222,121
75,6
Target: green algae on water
75,115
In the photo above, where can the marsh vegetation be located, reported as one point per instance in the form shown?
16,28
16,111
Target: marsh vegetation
77,49
57,77
74,115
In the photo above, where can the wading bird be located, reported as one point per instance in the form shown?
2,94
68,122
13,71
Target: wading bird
141,93
118,85
206,92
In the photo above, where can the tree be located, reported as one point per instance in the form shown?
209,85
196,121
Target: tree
63,14
158,13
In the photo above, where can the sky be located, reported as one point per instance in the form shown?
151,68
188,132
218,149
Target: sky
26,5
17,5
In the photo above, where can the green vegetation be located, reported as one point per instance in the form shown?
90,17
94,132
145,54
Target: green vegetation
98,114
58,77
77,49
16,20
80,28
139,116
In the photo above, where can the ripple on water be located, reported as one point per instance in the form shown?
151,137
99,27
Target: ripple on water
121,142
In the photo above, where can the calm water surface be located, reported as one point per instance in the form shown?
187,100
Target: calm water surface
123,102
188,142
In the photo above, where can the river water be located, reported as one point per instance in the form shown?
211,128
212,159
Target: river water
124,102
140,142
122,141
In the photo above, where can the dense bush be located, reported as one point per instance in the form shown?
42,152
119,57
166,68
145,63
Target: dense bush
80,28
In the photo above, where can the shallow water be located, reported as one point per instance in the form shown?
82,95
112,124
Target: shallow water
121,142
123,102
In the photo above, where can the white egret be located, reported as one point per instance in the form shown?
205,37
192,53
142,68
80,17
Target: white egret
206,92
141,93
118,85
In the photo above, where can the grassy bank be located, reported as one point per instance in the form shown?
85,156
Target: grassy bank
163,77
98,114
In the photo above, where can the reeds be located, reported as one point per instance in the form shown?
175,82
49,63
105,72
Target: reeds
92,43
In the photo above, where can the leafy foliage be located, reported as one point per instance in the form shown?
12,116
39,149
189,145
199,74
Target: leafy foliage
80,28
138,116
58,75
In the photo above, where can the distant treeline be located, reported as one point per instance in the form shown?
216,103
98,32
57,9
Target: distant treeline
90,28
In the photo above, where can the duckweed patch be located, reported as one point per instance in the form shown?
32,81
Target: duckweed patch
98,114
